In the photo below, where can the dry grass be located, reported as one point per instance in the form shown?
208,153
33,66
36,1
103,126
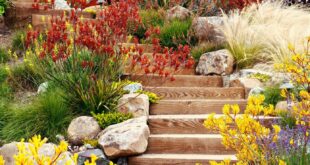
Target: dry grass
263,31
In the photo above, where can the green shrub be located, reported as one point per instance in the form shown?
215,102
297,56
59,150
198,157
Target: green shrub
18,40
149,18
174,33
261,77
286,119
48,116
23,77
202,48
5,90
3,6
153,98
110,118
4,56
272,95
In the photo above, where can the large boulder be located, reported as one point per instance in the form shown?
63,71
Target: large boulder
136,104
216,63
247,83
8,151
83,128
178,12
208,29
126,138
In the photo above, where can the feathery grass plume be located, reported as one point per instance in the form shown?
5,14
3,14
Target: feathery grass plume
261,32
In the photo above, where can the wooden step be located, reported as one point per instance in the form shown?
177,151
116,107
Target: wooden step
177,159
170,107
188,93
187,144
186,124
180,81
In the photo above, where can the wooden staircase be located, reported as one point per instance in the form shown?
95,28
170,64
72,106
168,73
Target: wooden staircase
178,136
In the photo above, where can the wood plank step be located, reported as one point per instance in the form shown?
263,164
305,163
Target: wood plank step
187,93
169,107
177,159
180,81
187,144
186,124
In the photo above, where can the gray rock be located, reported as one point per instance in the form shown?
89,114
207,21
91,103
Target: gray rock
178,12
133,88
42,87
247,83
136,104
61,5
83,128
216,63
207,29
122,161
9,150
256,91
125,139
86,155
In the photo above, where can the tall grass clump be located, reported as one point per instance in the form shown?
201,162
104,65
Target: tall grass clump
174,33
261,32
48,116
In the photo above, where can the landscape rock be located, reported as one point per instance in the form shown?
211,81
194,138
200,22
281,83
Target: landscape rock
216,63
9,150
83,128
136,104
207,29
282,105
61,5
125,139
178,12
86,155
42,88
133,88
247,83
256,91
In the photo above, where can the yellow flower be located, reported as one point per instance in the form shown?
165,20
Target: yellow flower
276,128
292,141
235,109
1,160
283,93
281,162
291,47
226,109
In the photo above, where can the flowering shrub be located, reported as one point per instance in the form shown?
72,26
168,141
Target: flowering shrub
257,144
29,155
85,57
242,132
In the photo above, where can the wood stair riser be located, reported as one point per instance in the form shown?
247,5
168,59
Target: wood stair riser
187,145
186,126
164,161
171,107
188,93
180,81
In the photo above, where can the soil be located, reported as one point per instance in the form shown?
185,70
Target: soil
6,36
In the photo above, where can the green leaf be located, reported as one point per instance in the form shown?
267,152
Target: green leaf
1,10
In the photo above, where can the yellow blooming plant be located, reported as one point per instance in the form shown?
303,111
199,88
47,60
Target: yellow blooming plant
241,132
29,154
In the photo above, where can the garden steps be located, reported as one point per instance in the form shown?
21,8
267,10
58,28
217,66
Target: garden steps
187,124
187,93
178,159
180,81
187,144
195,106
